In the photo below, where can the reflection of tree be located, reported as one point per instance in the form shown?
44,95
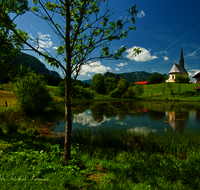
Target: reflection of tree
110,111
80,107
198,114
98,110
155,115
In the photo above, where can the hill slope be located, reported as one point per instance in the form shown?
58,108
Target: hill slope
130,77
34,64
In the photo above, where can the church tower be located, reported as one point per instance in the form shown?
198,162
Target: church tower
181,62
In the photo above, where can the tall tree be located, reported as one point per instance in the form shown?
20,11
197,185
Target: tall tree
85,29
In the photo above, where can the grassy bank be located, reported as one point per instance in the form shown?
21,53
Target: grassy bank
171,91
109,159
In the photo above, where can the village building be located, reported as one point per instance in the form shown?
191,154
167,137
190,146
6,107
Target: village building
178,69
197,77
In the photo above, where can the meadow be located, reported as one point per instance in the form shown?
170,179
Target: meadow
31,157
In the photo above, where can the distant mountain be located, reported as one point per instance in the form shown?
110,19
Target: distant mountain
130,77
87,81
34,64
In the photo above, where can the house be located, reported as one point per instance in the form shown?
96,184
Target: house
178,69
142,82
197,77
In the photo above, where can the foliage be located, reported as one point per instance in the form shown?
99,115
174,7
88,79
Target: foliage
78,92
60,91
10,43
122,85
31,91
79,37
155,78
81,93
139,89
95,78
181,79
130,93
115,93
110,84
99,87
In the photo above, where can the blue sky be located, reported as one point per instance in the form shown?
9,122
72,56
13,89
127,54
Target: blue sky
162,27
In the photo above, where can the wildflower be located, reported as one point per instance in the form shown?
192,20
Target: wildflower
41,151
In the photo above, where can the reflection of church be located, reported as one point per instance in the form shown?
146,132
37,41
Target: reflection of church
176,121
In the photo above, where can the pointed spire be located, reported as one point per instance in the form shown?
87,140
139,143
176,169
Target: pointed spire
181,62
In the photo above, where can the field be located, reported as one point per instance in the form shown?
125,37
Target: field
170,91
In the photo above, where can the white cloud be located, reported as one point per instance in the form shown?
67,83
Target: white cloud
44,40
165,58
128,69
193,72
143,56
141,14
89,75
31,26
116,69
55,47
122,64
41,60
94,67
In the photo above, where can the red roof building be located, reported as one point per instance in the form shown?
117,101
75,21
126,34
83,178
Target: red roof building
142,82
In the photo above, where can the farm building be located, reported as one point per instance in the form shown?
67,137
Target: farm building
197,77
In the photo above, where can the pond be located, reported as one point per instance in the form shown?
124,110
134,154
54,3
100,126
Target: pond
137,116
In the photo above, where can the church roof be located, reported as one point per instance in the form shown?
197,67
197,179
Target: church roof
177,69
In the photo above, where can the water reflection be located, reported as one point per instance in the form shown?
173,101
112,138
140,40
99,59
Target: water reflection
140,117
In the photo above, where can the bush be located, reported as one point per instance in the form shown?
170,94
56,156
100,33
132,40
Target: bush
78,92
60,91
31,91
181,79
130,93
115,93
99,87
156,78
81,93
139,89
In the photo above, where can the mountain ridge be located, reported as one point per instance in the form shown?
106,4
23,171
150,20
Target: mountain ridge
133,77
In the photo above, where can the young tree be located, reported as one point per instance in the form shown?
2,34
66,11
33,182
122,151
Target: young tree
85,29
122,85
95,78
111,84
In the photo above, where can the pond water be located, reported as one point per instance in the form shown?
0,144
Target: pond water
141,117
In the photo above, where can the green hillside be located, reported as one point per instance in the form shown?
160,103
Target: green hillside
130,77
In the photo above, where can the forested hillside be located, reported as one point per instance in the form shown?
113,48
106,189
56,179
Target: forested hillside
130,77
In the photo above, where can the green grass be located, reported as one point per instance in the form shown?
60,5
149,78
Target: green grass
163,91
107,159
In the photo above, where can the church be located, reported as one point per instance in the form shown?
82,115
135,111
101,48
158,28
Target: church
178,69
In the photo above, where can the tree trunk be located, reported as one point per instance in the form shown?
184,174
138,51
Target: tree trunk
67,144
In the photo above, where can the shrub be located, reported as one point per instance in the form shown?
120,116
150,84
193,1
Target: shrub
60,91
99,87
81,93
156,78
130,93
31,91
181,79
139,89
115,93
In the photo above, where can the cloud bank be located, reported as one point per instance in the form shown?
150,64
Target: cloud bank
94,67
143,56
